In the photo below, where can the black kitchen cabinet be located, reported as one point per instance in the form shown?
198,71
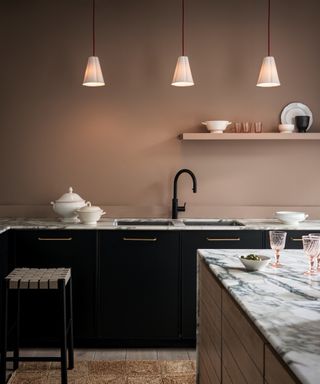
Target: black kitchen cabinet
52,249
4,260
4,255
190,242
139,287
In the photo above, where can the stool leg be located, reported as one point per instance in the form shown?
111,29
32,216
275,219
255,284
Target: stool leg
70,334
63,348
4,325
17,341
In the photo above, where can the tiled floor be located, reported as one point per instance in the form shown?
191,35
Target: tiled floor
121,354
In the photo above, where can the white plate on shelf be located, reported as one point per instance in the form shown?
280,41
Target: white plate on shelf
292,110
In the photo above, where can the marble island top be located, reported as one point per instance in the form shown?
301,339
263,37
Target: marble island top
283,303
112,223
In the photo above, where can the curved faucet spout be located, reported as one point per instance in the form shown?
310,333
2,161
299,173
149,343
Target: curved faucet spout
175,205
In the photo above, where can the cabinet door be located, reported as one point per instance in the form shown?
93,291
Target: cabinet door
193,240
4,255
139,279
53,249
294,239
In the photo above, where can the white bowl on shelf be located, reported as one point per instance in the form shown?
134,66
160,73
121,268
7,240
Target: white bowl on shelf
216,126
291,217
255,265
286,128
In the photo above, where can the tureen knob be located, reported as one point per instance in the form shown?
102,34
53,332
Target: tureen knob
70,189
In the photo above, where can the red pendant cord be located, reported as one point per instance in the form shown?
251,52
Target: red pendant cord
182,27
269,18
93,28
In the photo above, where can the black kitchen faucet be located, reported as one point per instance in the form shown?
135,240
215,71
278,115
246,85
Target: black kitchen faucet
175,203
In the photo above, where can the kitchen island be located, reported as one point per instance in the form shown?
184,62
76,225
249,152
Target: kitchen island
257,327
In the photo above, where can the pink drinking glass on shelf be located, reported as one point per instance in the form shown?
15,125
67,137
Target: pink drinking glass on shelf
237,127
277,243
246,127
311,247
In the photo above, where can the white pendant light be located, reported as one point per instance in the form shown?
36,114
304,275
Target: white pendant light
268,76
182,75
93,76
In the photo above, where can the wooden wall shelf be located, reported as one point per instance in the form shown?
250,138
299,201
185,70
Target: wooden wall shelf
249,136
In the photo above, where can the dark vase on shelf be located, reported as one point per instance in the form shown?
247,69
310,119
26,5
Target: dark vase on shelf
302,123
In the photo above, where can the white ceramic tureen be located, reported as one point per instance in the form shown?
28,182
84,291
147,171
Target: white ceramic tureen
67,205
90,214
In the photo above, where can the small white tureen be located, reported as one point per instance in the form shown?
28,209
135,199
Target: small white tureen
66,206
90,214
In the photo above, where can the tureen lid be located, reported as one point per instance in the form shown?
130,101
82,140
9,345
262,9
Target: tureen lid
89,208
70,197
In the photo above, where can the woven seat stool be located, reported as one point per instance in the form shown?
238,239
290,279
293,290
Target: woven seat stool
58,279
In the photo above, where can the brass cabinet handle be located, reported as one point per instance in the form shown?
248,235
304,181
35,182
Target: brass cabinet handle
139,239
54,238
226,239
295,239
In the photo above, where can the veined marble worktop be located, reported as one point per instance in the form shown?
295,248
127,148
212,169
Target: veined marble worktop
283,304
111,223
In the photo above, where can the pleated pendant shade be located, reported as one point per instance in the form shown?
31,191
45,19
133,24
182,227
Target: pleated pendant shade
182,75
268,76
93,76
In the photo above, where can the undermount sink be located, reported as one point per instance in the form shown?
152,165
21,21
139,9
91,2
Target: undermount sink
134,223
179,222
214,223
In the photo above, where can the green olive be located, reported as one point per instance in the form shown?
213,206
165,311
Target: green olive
251,256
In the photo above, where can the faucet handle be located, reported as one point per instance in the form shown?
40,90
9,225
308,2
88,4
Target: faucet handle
182,208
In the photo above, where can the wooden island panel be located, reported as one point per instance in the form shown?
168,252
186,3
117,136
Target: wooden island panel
231,350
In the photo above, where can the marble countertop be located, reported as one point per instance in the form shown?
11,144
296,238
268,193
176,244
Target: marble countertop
111,223
283,303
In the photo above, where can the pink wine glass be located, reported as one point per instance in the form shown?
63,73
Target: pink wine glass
311,247
277,243
318,255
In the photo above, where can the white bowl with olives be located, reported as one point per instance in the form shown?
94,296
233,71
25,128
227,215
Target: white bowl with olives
253,262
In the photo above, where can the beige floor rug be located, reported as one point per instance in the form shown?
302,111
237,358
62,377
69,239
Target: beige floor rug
109,372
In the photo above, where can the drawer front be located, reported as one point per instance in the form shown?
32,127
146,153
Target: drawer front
243,330
240,355
229,239
275,372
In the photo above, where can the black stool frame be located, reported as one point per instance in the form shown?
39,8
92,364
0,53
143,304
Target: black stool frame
66,346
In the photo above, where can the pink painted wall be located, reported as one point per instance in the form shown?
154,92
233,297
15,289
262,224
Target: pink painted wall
117,145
